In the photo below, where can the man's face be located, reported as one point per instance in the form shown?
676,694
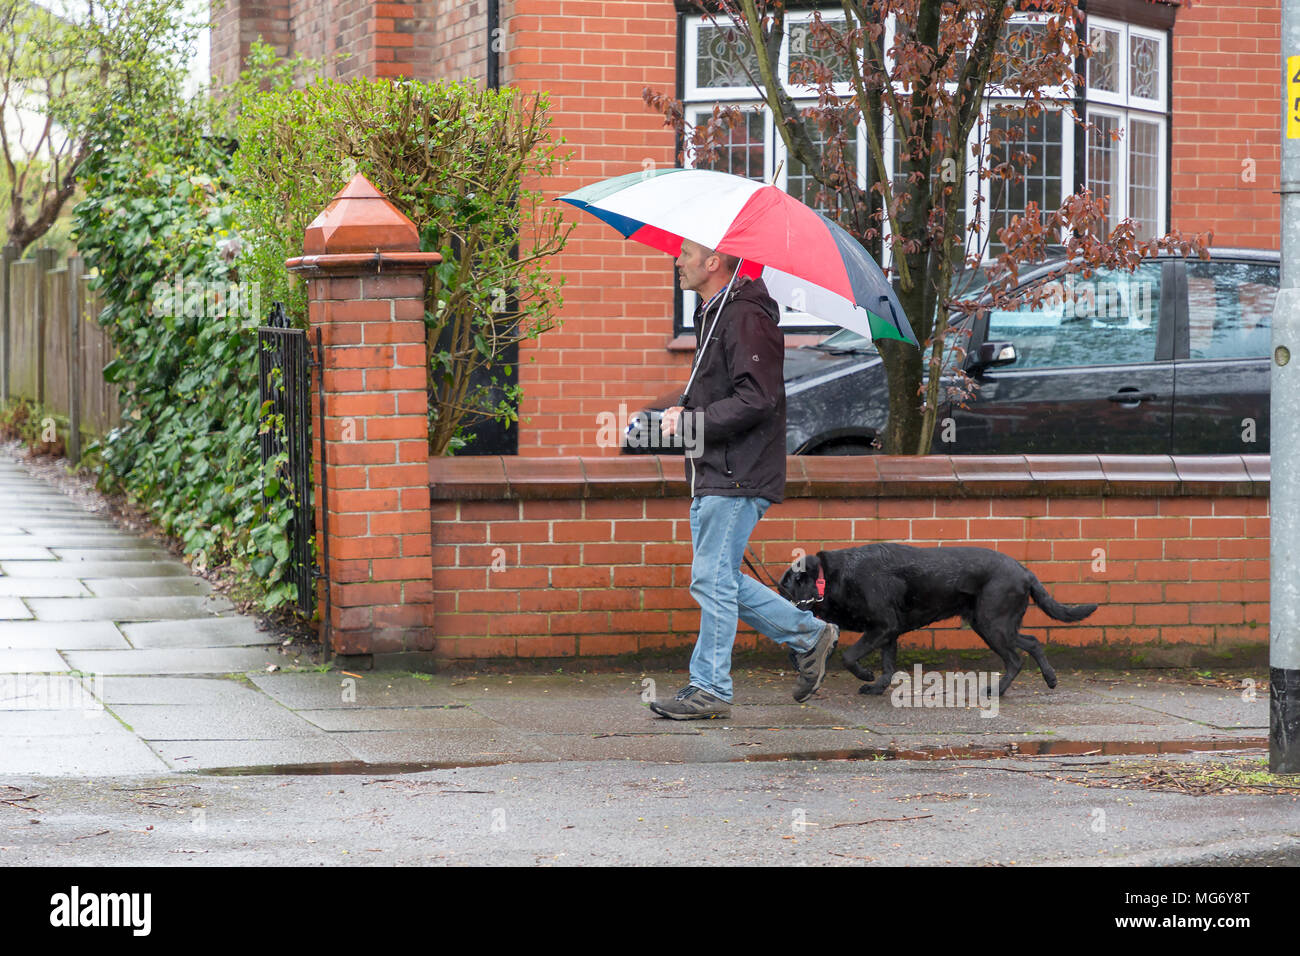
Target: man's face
692,266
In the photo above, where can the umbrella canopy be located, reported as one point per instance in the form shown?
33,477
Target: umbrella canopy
807,262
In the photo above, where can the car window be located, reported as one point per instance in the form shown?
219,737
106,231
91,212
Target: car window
1229,305
1107,318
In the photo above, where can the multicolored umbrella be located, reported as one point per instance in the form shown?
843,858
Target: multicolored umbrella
807,262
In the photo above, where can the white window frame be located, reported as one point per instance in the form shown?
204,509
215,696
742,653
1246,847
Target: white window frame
694,92
1124,107
985,185
797,18
1120,104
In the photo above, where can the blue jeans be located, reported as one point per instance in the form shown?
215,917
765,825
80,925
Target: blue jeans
720,529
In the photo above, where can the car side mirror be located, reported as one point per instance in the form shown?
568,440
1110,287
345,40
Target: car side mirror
993,354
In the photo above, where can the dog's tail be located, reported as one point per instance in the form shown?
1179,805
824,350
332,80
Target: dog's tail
1054,608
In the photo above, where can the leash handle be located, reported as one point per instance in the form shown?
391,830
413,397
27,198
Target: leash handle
770,582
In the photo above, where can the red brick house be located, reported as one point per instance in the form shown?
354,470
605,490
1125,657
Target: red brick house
1193,88
567,557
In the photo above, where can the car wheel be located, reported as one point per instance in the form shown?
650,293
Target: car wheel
853,446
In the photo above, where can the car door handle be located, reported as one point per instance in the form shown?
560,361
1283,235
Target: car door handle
1133,396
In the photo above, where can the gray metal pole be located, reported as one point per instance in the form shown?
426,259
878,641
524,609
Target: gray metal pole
75,362
1284,439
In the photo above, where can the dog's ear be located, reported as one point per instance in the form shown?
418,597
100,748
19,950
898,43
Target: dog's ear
813,563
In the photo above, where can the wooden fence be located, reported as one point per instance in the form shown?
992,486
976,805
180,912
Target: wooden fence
52,351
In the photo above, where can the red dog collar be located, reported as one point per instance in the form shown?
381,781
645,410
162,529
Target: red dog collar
821,584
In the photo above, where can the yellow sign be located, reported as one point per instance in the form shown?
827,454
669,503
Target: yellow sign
1293,97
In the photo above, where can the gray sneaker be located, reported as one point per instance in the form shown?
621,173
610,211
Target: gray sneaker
812,664
692,703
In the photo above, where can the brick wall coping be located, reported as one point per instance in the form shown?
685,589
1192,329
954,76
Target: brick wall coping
868,476
352,261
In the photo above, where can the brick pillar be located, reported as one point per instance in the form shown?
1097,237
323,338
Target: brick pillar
366,282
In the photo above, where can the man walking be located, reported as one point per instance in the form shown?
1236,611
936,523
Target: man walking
738,393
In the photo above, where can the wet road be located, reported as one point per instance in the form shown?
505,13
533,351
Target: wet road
988,812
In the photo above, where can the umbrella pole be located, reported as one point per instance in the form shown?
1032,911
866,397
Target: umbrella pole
699,354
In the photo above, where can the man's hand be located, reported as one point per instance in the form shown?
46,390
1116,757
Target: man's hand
669,420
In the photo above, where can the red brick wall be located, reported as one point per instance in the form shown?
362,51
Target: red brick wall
236,24
602,576
375,39
594,58
455,47
1227,110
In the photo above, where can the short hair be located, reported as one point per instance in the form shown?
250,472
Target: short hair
729,262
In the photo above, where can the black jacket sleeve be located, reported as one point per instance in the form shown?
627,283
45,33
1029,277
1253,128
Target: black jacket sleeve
755,356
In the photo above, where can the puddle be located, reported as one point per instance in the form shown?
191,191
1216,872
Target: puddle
338,767
1028,748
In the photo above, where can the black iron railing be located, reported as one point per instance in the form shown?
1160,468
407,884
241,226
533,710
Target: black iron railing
284,381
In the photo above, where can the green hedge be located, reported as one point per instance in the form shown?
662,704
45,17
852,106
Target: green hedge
456,160
158,211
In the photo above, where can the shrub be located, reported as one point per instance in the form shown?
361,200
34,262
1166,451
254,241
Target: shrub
157,211
456,160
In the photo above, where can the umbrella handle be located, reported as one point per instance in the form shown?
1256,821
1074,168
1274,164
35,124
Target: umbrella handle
708,337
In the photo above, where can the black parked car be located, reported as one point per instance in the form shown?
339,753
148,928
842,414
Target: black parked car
1170,359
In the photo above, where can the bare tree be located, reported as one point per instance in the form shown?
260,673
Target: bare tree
63,67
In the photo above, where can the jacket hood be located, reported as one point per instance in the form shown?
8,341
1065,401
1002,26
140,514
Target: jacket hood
753,291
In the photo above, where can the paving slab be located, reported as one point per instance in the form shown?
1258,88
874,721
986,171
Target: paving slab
43,510
324,691
128,609
677,746
13,609
47,692
41,587
61,635
33,661
1094,735
432,719
1212,706
254,718
210,754
94,569
630,715
68,538
201,632
18,552
542,686
88,756
82,521
175,690
174,586
178,660
105,555
20,724
881,715
461,747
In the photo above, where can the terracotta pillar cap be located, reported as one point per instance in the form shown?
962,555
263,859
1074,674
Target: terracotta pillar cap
360,219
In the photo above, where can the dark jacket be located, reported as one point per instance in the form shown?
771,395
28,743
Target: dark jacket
740,387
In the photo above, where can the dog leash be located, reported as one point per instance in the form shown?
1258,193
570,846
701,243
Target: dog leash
760,575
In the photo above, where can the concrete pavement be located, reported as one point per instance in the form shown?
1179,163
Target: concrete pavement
115,660
139,724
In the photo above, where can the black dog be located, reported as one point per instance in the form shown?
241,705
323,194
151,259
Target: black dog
886,590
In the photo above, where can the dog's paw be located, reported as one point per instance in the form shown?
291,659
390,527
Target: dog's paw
875,689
